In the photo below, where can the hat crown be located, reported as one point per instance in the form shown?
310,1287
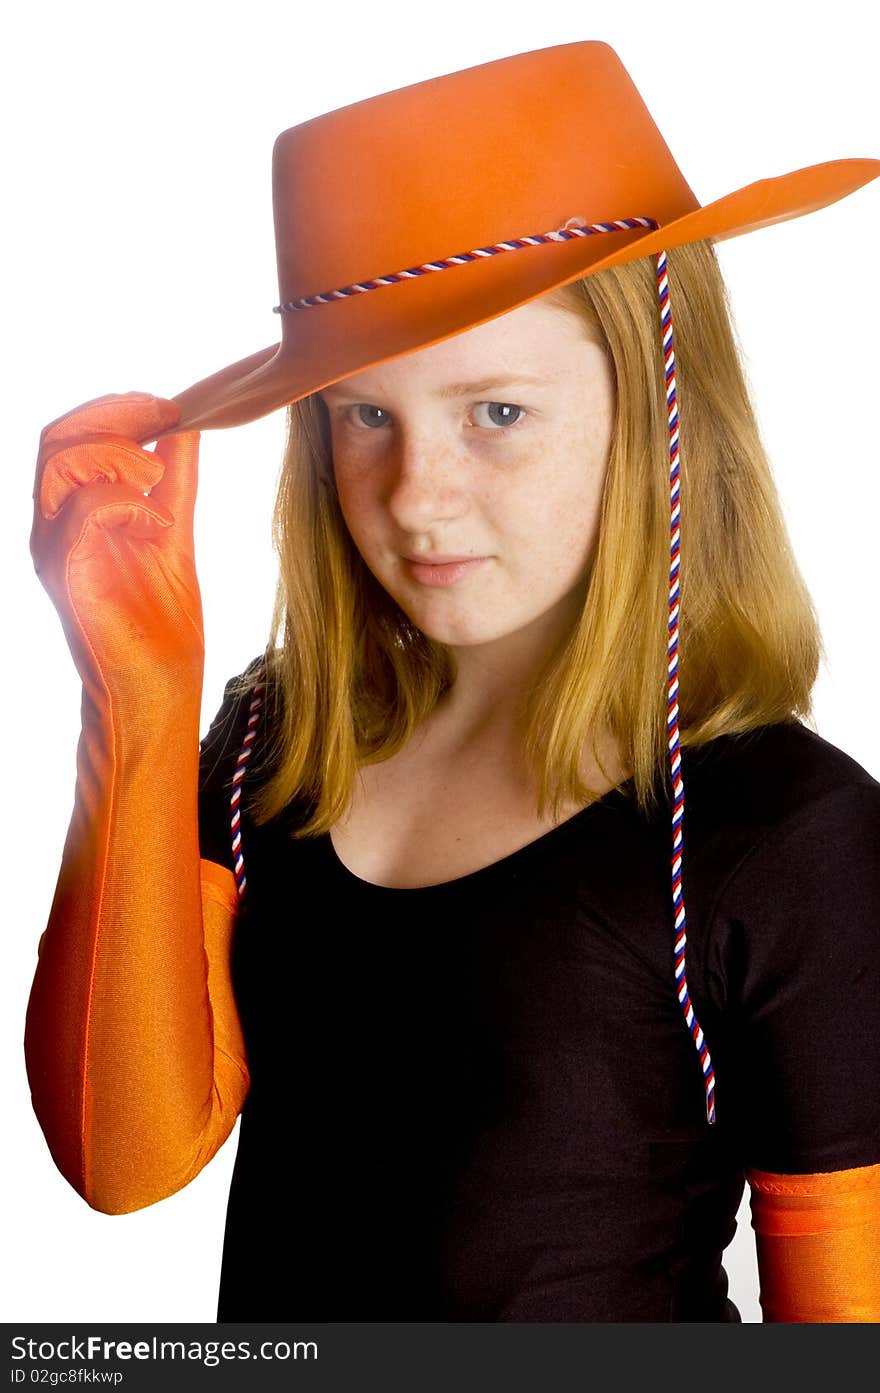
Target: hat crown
505,149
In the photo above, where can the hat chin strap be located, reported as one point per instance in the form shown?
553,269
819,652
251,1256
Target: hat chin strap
574,227
672,690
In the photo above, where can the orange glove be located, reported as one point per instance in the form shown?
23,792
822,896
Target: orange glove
132,1042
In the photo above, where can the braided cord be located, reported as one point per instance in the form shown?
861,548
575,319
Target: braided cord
672,701
574,227
244,755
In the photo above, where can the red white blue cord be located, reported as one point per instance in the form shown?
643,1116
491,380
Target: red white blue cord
672,700
574,227
244,755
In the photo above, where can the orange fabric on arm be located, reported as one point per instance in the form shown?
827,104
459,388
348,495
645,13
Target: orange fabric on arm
133,1048
818,1244
219,908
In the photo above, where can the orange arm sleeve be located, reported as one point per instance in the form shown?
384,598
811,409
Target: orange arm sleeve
133,1047
818,1244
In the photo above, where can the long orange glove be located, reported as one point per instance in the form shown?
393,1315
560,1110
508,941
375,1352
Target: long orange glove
818,1245
133,1046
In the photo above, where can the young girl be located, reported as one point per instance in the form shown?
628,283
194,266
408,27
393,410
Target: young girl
408,910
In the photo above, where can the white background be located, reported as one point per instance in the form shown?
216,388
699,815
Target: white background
139,255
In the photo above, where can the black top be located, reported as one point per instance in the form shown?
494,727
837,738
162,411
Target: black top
479,1101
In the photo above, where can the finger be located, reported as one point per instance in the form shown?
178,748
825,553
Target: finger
114,458
132,517
176,489
100,506
133,414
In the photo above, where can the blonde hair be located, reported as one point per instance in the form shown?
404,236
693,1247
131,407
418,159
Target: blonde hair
351,677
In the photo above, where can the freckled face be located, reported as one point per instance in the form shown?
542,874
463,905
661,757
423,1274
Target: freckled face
490,447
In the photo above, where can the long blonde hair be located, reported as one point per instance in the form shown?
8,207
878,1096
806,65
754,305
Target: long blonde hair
351,677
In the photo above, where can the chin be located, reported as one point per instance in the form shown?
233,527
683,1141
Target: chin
454,631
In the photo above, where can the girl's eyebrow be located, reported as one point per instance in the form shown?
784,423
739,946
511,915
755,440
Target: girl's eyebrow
488,384
341,392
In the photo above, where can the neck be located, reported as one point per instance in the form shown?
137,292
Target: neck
492,678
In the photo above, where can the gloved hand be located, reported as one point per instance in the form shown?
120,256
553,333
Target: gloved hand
119,566
133,1047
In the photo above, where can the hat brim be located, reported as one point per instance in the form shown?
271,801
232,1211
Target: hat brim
332,341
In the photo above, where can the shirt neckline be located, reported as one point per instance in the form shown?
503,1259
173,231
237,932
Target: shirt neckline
493,868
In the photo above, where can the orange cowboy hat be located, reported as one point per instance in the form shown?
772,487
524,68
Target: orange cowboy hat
456,170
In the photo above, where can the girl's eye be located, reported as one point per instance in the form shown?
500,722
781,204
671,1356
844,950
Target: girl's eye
370,416
498,414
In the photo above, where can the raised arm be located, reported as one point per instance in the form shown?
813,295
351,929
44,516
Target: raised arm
132,1042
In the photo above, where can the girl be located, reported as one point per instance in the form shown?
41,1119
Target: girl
407,909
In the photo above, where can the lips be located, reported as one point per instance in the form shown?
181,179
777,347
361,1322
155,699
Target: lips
441,570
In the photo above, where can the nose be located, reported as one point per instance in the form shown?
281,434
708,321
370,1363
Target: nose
426,482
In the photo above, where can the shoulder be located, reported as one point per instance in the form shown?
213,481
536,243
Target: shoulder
770,774
775,800
243,693
241,716
783,853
